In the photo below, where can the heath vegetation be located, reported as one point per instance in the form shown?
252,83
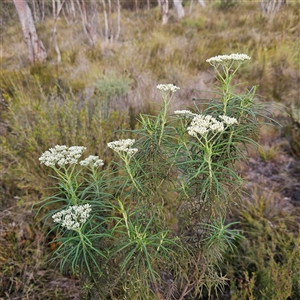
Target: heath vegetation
151,161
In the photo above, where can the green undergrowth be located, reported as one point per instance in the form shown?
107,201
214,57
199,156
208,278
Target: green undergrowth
266,265
39,114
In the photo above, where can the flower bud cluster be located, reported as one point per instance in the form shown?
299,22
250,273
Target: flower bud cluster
184,113
123,146
202,124
226,58
92,160
73,217
167,87
228,120
62,155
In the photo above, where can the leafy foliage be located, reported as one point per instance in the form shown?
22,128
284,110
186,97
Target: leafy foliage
184,162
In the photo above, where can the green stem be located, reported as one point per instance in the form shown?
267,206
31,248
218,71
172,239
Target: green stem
162,126
81,237
226,81
124,214
207,145
66,177
164,116
209,167
127,166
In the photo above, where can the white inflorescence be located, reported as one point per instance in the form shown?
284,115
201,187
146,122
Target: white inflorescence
185,113
123,146
73,217
92,160
231,57
228,120
167,87
203,124
62,155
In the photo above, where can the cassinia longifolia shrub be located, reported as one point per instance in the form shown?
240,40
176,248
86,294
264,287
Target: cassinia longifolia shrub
156,215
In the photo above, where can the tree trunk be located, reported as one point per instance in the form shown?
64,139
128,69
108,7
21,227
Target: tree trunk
91,26
105,21
88,21
58,4
270,6
110,37
73,12
35,16
54,31
43,11
118,20
178,8
36,49
164,11
191,7
53,8
202,3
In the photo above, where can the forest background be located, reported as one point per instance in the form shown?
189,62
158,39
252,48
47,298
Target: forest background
112,54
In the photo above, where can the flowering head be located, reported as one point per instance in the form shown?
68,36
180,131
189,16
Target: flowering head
228,120
223,59
165,88
123,146
184,113
73,217
93,161
201,125
62,155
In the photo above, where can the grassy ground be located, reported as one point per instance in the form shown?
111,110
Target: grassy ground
68,103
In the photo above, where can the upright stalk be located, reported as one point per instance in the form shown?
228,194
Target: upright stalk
167,92
163,118
128,169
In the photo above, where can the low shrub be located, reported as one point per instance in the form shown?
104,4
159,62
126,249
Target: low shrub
151,223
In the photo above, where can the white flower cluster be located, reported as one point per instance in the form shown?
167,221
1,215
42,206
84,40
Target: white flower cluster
167,87
62,155
92,160
228,120
73,217
184,113
203,124
123,146
231,57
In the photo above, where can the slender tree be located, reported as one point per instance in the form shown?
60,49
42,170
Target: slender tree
42,10
54,30
202,3
72,8
35,47
164,11
118,20
178,8
35,15
105,21
88,11
271,6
